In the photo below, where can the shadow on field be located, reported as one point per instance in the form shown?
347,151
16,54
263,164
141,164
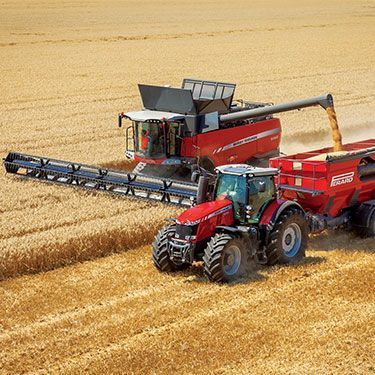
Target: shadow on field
255,273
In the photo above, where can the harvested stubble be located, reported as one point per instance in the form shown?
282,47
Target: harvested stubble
67,68
115,313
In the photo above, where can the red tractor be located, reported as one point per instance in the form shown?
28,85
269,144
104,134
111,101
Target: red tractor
266,214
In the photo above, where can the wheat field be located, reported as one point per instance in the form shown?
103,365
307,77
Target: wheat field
67,68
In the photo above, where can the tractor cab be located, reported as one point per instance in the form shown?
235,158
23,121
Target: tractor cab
249,188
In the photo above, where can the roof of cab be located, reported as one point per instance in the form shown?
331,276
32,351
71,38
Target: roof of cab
245,169
147,115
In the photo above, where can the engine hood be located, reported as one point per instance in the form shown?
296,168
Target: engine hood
204,211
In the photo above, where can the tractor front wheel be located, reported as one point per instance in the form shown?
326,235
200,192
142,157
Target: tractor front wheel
226,258
160,254
288,239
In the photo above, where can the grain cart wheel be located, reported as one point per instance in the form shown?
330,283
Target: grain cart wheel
160,255
371,228
364,219
225,258
288,238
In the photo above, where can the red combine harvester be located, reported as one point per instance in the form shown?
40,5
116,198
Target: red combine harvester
267,213
178,131
201,125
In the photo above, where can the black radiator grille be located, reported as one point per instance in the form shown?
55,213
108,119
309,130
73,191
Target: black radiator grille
183,231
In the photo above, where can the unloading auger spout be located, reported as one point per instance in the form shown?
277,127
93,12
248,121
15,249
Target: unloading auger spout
325,101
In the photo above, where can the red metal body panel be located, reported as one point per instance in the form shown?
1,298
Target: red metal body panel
149,161
208,215
326,186
270,210
232,145
273,211
237,144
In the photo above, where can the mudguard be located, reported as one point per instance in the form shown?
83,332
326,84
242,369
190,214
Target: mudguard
252,232
227,229
274,210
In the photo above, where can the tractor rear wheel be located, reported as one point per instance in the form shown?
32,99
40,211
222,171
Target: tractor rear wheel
226,258
288,239
160,254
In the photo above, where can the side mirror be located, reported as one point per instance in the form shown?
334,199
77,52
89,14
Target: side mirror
119,120
262,187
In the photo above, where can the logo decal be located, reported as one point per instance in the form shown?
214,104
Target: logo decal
221,211
249,139
342,179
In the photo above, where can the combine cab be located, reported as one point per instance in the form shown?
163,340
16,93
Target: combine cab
266,213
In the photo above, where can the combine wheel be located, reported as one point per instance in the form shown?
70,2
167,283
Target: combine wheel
226,258
288,238
160,255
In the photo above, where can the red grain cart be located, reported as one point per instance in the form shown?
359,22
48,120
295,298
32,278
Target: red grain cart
329,184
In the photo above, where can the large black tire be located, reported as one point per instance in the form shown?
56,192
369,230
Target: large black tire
160,255
364,219
226,258
288,239
371,229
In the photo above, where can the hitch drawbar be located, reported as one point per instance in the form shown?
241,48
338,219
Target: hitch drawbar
98,178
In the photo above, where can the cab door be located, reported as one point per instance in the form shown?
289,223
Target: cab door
173,147
261,190
129,141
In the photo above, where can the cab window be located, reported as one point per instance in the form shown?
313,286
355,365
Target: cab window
261,189
173,144
234,188
150,139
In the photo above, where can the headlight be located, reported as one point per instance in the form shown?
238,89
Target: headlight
249,210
